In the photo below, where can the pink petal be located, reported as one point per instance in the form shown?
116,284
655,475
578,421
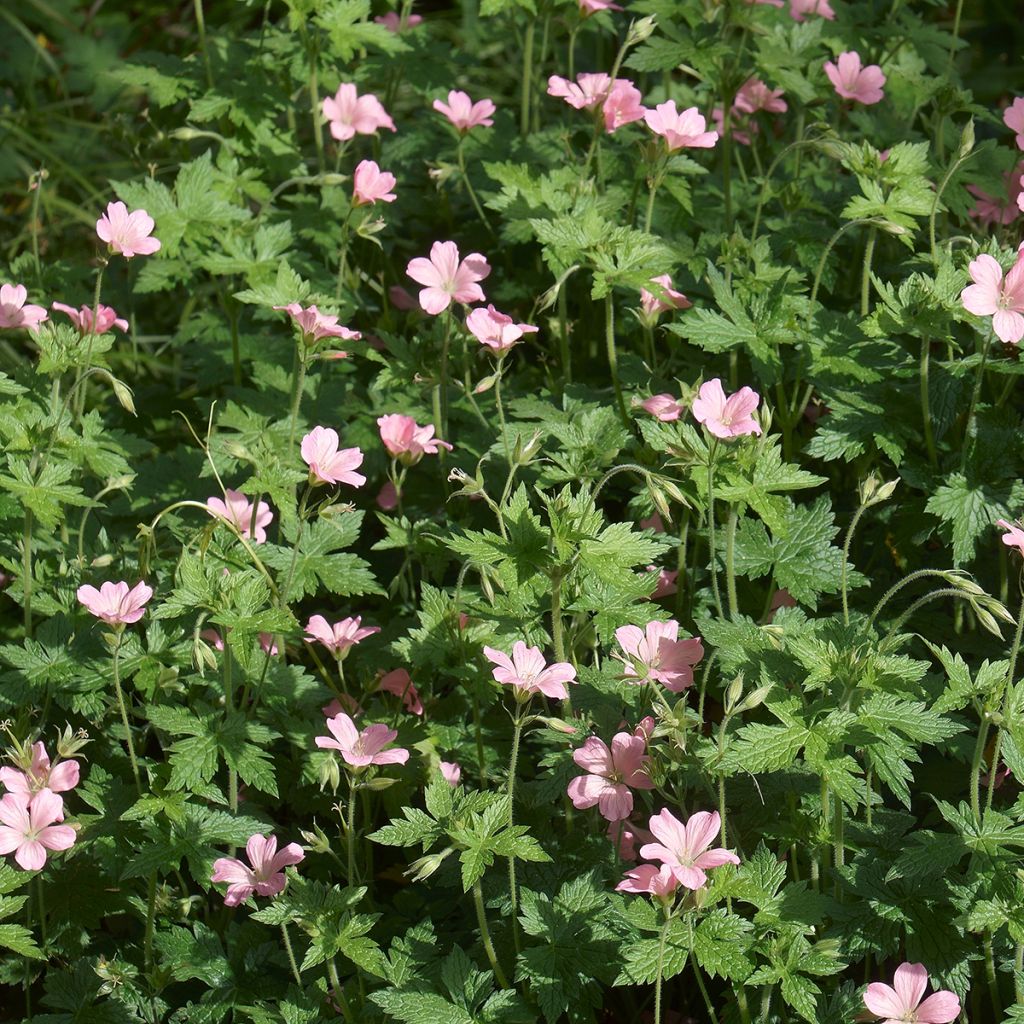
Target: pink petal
586,790
940,1008
882,1000
910,982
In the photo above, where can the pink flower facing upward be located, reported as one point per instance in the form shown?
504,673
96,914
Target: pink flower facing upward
611,776
406,441
28,828
991,295
680,129
106,318
370,184
340,637
350,114
754,95
901,1001
726,417
658,655
327,464
451,772
445,277
1014,536
238,510
526,671
463,113
128,234
361,749
315,325
114,603
685,849
667,298
265,877
662,407
40,774
496,330
393,22
799,9
587,92
622,105
646,878
1013,118
14,312
852,82
401,685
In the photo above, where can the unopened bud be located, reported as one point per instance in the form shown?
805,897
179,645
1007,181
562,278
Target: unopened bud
101,561
640,30
734,692
123,393
316,840
566,728
966,139
486,384
378,784
426,866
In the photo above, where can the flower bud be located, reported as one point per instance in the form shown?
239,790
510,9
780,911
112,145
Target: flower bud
426,866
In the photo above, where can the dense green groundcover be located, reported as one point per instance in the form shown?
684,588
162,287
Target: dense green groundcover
790,622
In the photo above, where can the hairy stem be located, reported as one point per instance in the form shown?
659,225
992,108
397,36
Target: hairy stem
926,403
350,831
485,935
291,953
613,359
730,553
843,571
26,571
300,380
865,277
124,716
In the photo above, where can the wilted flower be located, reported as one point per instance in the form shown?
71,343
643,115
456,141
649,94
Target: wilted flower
316,325
852,82
129,234
387,497
680,129
527,672
587,92
464,113
901,1001
684,849
446,277
994,210
991,295
612,775
115,603
726,417
406,441
361,749
622,105
82,318
340,636
350,114
14,312
266,875
370,184
327,464
401,685
238,511
657,654
496,330
663,407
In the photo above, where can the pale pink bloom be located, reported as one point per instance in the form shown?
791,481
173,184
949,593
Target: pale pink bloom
393,22
464,113
130,234
680,129
993,210
445,277
361,749
28,828
667,298
350,114
653,522
587,92
527,672
625,836
316,325
238,510
401,298
646,878
658,655
15,313
342,703
991,295
852,82
1014,536
115,603
684,849
82,318
40,775
622,105
387,497
754,95
370,184
265,877
726,417
406,441
452,772
588,7
401,685
496,330
1013,118
799,9
740,135
213,638
666,582
267,644
340,636
611,776
327,463
663,407
901,1001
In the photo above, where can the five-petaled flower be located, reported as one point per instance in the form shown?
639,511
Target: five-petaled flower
1000,298
406,441
901,1002
39,774
106,318
685,849
656,654
622,105
129,234
612,774
315,325
238,510
16,312
361,749
115,603
445,277
587,92
399,682
265,876
370,184
463,113
528,673
685,129
726,417
853,82
340,636
754,95
327,463
350,114
496,330
28,828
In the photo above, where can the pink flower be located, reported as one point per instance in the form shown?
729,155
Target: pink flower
622,105
587,92
726,417
406,441
741,136
343,702
13,311
666,582
658,655
327,464
754,95
28,830
781,599
114,603
1014,536
401,685
902,1001
645,728
667,298
445,277
663,407
265,877
39,774
129,234
684,849
799,9
452,772
681,130
370,184
316,325
82,318
393,23
991,295
852,82
361,749
387,497
646,878
350,114
526,671
238,511
992,210
496,330
588,7
341,636
611,775
212,637
464,113
653,523
1013,118
625,836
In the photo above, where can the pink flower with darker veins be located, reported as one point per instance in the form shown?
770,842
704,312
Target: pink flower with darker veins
684,129
1014,536
341,636
496,330
40,774
799,9
115,603
656,654
992,295
15,313
399,683
370,184
646,878
361,749
901,1002
652,304
662,407
622,105
451,771
350,114
685,849
406,441
463,113
238,510
263,875
315,325
445,277
853,82
528,673
327,463
28,828
128,234
754,95
611,776
587,92
1013,118
726,417
82,318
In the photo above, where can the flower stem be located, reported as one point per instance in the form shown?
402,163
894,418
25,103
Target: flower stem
124,716
291,953
84,365
655,184
26,571
300,380
501,411
147,944
865,278
613,360
710,1006
314,103
338,990
469,185
711,531
485,935
975,395
730,552
661,968
1005,700
441,388
203,48
527,81
846,558
926,406
513,764
350,831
